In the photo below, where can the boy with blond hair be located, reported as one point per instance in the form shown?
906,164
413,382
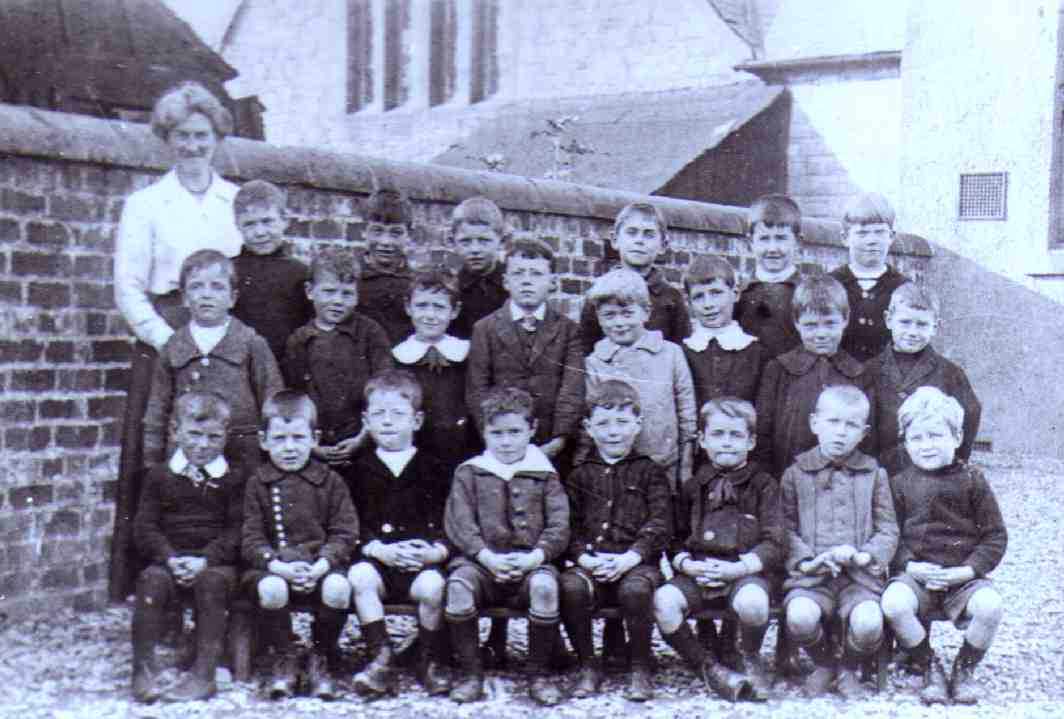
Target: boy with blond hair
479,233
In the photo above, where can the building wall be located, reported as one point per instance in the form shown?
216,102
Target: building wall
64,350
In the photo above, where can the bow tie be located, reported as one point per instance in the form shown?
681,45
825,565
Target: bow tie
722,493
434,360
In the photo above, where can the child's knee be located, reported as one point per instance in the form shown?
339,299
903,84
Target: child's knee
273,593
428,588
543,591
751,604
669,606
461,600
899,601
636,594
803,618
336,592
364,578
866,624
575,590
986,606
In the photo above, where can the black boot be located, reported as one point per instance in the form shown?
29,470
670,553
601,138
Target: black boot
935,689
493,653
615,656
542,688
718,678
148,624
145,677
466,644
727,645
750,640
824,657
379,676
431,669
320,682
961,687
284,677
848,679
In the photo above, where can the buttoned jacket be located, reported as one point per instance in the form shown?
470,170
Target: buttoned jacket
719,372
480,295
382,295
866,333
764,310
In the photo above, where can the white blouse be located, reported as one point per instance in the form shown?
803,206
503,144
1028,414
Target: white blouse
162,225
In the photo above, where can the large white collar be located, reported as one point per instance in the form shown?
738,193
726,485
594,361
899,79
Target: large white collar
764,276
216,468
412,349
730,337
517,314
534,461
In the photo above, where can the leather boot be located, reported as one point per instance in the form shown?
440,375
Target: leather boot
199,684
493,653
640,685
465,640
935,689
750,647
320,683
431,669
819,681
727,645
728,684
191,689
588,680
543,689
145,677
961,686
614,646
848,679
379,676
284,679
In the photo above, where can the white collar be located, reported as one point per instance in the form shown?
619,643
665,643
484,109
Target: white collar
412,349
207,338
517,314
763,276
397,460
534,461
730,337
867,274
216,468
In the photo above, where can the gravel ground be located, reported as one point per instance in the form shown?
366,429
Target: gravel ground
78,665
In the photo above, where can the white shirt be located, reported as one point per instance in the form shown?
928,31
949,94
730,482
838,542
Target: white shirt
207,338
867,279
162,224
215,469
763,276
517,313
730,337
396,461
412,349
533,461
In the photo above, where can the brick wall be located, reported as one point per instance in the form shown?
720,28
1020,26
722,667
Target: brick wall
63,356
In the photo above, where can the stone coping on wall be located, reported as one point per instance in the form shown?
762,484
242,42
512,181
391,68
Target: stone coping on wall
33,132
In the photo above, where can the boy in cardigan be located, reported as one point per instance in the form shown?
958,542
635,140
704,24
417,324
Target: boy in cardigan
656,368
867,230
621,517
952,537
774,228
271,299
842,532
437,360
508,517
386,270
188,526
640,235
478,232
333,356
727,545
910,362
400,492
791,383
299,531
214,352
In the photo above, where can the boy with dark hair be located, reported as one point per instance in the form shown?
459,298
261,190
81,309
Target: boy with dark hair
333,356
386,273
952,537
640,234
188,526
508,517
400,492
867,230
298,534
478,232
621,517
214,352
774,229
792,382
271,299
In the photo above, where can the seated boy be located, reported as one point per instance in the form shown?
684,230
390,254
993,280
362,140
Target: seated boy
842,533
728,543
508,517
910,362
478,232
724,360
333,356
640,235
867,230
437,360
385,281
214,352
188,527
774,227
621,517
271,299
952,537
656,368
791,383
400,492
299,531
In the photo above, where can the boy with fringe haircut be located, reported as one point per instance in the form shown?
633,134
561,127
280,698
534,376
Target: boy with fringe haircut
386,272
479,233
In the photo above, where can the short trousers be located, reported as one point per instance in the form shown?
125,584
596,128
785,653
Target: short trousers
397,583
952,602
699,598
249,586
606,594
836,596
489,593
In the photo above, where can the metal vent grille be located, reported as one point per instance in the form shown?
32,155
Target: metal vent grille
983,196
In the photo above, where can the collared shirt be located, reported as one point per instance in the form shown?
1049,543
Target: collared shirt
215,469
533,461
162,225
396,461
518,314
668,313
787,275
413,350
730,337
207,338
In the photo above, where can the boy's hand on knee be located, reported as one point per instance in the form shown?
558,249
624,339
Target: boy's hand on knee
948,577
724,572
589,562
922,572
498,564
616,566
319,569
525,562
843,554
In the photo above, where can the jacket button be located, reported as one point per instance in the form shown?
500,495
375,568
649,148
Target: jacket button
709,535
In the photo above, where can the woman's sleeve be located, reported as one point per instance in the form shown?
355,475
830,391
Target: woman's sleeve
133,263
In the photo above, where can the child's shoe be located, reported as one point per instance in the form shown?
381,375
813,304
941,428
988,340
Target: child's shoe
588,680
320,682
470,685
545,691
191,689
431,671
935,690
615,655
284,679
819,681
727,649
640,685
469,688
727,684
848,679
379,677
751,639
961,685
145,681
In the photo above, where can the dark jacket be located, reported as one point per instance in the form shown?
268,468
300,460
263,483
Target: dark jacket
333,368
931,369
177,518
240,367
529,511
619,507
480,295
382,298
552,370
725,373
866,334
272,297
743,503
787,396
668,313
948,517
764,310
394,509
298,516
